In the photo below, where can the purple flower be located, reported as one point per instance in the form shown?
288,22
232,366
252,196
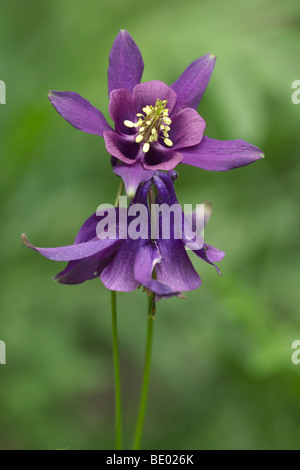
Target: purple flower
123,264
156,125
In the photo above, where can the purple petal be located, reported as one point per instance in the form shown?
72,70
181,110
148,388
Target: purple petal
125,63
221,155
175,269
121,147
191,85
181,226
147,93
78,251
165,186
133,176
84,270
121,108
88,229
211,255
119,275
161,158
187,128
146,259
79,112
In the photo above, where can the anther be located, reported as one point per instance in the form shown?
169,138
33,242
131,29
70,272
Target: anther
139,138
146,147
168,142
129,124
150,125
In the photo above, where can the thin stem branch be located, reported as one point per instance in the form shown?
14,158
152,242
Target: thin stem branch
118,402
117,376
146,377
120,190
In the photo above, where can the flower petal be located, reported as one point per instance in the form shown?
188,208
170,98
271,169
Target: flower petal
119,275
122,148
121,108
211,255
103,248
133,176
79,112
147,93
161,158
187,129
175,269
125,63
221,155
191,85
83,270
181,226
165,185
146,259
88,231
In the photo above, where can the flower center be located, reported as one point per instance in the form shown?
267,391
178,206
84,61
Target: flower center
152,125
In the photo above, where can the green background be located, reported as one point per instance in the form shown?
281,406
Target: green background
222,376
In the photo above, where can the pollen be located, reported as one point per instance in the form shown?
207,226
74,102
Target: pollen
152,125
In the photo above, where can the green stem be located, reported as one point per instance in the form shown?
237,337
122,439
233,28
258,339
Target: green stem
120,190
145,385
118,403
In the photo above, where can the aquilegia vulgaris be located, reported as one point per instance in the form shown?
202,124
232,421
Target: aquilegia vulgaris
146,241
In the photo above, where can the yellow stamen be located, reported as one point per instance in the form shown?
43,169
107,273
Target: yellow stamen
153,125
129,124
168,142
167,120
146,147
139,138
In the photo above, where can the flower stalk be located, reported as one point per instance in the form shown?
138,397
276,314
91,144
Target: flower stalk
117,375
118,400
146,376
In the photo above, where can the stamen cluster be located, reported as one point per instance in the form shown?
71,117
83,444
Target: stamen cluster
152,125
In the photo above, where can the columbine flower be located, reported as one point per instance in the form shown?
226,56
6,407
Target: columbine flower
156,125
123,264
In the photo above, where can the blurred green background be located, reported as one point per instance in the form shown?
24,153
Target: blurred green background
222,375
